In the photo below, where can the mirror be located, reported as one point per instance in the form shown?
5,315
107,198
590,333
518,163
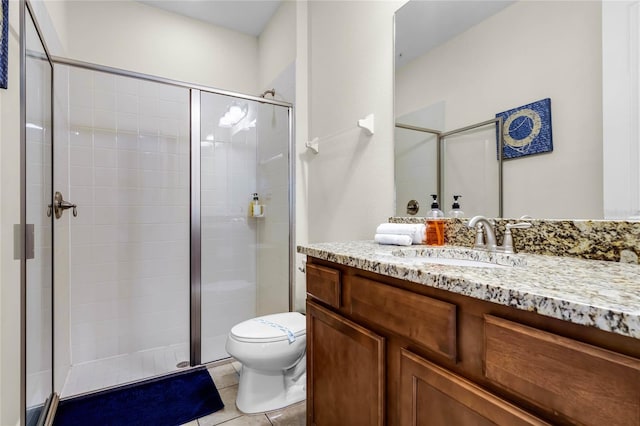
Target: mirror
460,63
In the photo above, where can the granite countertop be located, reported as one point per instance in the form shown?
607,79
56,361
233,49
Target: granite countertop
604,295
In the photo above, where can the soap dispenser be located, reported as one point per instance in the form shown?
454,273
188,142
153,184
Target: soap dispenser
255,208
435,224
456,211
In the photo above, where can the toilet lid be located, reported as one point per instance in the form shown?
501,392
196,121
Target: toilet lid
271,328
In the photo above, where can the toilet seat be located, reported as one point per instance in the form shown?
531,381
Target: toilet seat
271,328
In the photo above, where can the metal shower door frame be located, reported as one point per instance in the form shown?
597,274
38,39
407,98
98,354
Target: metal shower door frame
196,240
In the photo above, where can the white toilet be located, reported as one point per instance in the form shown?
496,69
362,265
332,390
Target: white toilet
272,351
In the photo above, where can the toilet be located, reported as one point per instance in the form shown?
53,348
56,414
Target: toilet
272,351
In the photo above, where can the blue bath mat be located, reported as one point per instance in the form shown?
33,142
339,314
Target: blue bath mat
169,400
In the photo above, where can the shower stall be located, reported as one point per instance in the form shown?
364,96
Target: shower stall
147,252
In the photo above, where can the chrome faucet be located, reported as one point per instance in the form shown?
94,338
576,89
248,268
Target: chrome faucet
489,242
486,234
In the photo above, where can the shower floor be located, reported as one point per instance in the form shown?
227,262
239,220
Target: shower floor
107,372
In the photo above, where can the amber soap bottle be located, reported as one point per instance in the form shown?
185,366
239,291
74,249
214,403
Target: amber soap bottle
434,224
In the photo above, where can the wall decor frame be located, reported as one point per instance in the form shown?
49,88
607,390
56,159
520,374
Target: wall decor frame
526,129
4,42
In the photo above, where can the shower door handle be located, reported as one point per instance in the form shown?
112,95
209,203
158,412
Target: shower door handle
60,205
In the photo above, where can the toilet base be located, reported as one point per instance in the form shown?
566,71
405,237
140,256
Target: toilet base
260,391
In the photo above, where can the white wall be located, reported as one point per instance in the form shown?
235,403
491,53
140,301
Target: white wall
43,10
350,182
133,36
10,214
277,45
621,94
536,50
301,120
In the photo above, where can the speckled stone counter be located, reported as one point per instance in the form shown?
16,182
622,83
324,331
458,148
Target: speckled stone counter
611,240
604,295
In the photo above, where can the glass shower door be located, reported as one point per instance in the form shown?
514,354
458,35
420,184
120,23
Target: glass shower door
39,271
228,235
121,155
244,150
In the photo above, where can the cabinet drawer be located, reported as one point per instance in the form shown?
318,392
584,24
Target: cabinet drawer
324,284
581,382
428,322
433,396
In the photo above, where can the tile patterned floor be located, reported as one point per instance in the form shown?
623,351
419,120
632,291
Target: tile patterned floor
226,376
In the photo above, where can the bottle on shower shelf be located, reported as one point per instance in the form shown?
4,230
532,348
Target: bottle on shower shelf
255,208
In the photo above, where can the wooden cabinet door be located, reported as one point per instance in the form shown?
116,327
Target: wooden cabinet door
581,383
345,371
433,396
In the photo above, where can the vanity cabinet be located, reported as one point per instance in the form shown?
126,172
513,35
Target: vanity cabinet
381,350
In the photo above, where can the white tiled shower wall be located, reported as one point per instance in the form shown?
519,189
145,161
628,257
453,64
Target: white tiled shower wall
129,246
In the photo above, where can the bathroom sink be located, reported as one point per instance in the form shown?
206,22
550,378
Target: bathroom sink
460,262
458,257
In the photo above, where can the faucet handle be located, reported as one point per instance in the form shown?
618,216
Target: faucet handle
479,243
507,245
520,225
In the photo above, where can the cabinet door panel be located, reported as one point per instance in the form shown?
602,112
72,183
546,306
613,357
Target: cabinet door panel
584,383
433,396
345,371
429,322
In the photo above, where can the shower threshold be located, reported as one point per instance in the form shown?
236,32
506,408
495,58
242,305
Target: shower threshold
113,371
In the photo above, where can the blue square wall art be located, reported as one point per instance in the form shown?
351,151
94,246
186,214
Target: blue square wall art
4,42
527,129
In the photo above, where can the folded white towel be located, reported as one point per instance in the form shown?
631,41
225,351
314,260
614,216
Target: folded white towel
396,240
415,230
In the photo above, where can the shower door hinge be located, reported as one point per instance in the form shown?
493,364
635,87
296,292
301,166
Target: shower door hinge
28,236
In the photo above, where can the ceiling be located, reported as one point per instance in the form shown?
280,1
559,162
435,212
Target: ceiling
420,25
245,16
